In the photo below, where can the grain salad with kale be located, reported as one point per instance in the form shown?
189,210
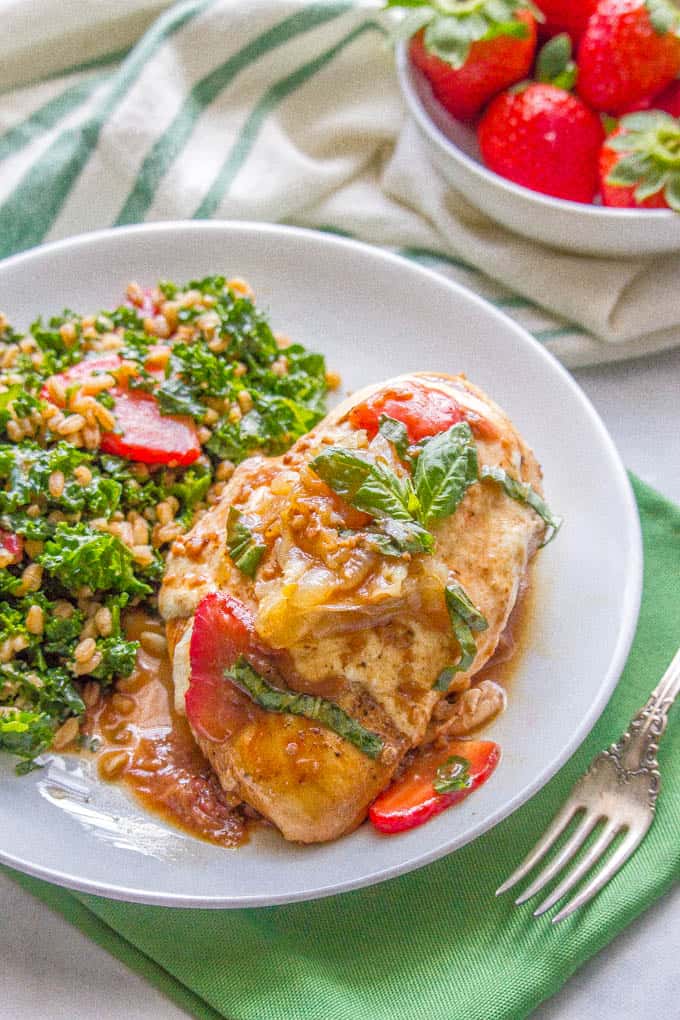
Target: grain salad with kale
117,431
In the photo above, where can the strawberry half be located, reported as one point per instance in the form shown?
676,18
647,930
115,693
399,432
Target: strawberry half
545,139
630,50
470,54
640,162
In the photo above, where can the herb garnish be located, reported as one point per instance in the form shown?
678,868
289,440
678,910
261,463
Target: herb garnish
404,508
465,618
272,699
452,775
396,432
524,493
445,469
366,485
245,548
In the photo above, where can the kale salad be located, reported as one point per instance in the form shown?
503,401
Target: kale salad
117,430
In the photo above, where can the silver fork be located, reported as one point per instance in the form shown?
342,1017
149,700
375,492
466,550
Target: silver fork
620,790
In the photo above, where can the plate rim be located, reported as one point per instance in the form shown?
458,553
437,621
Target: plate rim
627,623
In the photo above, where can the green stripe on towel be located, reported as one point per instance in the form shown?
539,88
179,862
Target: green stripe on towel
168,147
274,95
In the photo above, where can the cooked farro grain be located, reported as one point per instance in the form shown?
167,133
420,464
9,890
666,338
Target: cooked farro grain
66,734
208,354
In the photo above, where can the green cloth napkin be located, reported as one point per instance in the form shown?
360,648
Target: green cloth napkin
436,943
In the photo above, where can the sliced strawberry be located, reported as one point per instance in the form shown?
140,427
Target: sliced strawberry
146,435
143,433
413,800
83,370
223,630
425,412
13,544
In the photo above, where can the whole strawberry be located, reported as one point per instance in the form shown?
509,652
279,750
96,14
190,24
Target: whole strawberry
569,16
470,50
544,138
629,51
669,99
640,162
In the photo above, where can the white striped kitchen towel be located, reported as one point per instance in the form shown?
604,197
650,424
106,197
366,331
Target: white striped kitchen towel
119,111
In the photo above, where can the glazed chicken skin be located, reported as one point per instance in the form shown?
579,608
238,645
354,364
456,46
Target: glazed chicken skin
334,612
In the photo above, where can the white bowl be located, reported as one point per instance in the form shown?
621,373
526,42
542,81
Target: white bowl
574,226
373,315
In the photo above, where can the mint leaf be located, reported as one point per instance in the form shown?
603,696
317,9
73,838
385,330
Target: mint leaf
245,548
445,469
524,493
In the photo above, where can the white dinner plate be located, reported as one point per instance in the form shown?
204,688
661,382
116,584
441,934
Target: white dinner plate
374,315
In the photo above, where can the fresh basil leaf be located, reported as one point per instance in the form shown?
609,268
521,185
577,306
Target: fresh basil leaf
445,469
464,617
395,432
452,775
365,485
394,538
524,493
245,548
272,699
458,598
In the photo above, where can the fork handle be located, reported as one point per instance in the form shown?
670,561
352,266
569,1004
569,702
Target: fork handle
635,753
666,691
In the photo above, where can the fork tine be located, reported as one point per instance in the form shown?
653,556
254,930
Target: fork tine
571,847
582,868
554,830
616,861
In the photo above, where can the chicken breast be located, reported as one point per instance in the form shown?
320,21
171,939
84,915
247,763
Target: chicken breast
347,618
